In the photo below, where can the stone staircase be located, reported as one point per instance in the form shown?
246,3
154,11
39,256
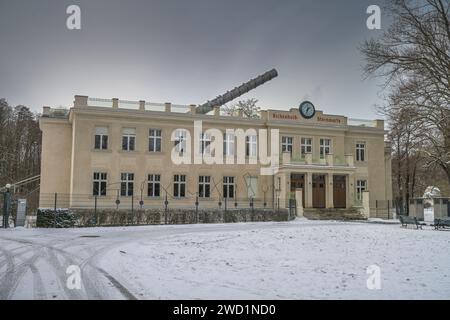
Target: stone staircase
333,214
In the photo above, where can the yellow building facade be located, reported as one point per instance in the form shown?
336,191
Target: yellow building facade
112,153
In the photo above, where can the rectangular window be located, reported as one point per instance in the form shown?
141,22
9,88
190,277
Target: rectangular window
204,186
126,185
306,146
228,144
286,144
252,186
360,151
361,185
180,141
325,147
154,185
228,187
101,138
99,184
205,142
128,139
154,140
179,185
250,146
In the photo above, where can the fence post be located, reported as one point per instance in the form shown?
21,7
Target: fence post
166,203
289,210
388,209
376,208
132,207
54,211
95,210
196,208
265,203
225,202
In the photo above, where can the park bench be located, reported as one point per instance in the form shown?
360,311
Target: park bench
405,220
441,223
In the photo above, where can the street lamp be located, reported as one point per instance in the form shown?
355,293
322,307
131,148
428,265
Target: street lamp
6,205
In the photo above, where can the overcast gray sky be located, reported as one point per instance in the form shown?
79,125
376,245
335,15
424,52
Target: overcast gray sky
188,51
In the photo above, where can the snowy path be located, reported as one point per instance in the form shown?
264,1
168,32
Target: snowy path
296,260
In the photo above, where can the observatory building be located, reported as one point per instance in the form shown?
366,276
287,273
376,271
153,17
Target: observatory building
115,153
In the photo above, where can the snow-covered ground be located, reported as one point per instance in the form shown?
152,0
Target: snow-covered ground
288,260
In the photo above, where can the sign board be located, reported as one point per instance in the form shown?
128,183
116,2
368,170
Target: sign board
21,212
311,116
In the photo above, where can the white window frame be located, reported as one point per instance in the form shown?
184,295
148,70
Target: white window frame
127,180
204,186
251,146
228,183
361,153
101,179
153,180
180,141
229,144
251,192
304,146
324,147
154,135
361,185
205,144
129,137
100,132
287,143
179,180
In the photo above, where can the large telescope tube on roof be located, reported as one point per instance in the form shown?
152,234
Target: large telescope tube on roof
236,92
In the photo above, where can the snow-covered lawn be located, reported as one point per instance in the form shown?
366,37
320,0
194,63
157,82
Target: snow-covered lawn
288,260
306,260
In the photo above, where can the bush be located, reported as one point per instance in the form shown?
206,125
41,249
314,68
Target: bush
64,218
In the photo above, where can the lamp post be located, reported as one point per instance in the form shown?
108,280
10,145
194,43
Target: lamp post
6,205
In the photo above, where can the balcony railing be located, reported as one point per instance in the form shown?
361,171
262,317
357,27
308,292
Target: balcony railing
307,159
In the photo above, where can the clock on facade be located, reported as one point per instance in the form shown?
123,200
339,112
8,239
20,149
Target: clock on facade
307,110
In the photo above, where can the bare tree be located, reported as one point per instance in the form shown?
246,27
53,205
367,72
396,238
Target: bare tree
20,143
414,57
247,107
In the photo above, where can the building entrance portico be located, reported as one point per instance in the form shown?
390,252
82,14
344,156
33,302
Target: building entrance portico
319,189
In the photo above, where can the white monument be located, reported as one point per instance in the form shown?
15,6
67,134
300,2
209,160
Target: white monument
428,203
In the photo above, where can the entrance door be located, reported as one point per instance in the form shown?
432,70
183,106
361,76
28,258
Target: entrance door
339,191
318,186
298,181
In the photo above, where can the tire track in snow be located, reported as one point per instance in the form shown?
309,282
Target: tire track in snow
56,266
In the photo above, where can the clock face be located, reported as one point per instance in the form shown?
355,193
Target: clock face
307,110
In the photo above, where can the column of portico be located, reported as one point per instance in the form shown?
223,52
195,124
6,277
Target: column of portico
350,181
329,190
350,189
308,183
308,190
